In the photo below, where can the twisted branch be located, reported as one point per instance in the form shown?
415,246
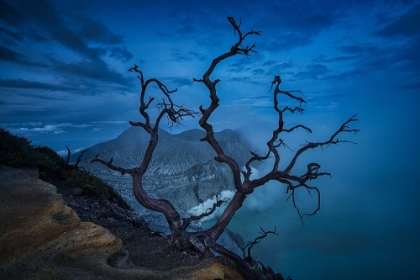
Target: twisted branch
79,158
208,212
112,166
257,240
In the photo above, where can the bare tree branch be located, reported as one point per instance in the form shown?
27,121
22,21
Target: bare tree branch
79,158
244,186
333,140
209,242
208,212
111,166
257,240
68,154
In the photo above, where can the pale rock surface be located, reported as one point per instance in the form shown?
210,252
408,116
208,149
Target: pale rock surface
42,238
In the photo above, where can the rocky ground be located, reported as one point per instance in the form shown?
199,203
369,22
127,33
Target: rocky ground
144,246
49,230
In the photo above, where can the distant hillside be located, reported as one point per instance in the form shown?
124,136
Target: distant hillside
183,169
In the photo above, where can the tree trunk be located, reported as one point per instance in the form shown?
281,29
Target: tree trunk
236,203
159,205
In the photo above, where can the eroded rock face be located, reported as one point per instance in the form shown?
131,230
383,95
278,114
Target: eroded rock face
181,163
42,238
182,170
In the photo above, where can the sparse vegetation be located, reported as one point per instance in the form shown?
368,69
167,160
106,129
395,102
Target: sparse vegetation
18,152
91,184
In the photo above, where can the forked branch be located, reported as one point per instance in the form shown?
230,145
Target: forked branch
208,212
79,158
244,186
345,127
248,247
112,166
166,106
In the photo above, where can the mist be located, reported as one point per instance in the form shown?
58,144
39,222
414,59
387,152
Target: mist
367,227
347,57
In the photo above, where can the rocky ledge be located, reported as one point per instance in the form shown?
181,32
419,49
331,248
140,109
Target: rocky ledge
41,237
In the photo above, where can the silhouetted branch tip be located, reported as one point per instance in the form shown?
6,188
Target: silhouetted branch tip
249,245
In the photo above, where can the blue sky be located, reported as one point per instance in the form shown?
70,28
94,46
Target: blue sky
64,78
64,81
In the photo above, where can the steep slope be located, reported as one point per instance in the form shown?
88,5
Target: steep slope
183,169
42,238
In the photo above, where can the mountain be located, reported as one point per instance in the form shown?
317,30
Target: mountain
183,169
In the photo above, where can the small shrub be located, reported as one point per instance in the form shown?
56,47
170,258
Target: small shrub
18,152
14,150
95,186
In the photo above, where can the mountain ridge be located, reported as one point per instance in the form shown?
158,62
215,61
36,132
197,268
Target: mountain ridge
182,169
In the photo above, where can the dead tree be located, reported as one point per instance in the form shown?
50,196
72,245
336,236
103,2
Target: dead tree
79,158
248,247
244,185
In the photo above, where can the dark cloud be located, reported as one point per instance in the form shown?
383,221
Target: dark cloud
390,54
248,78
410,85
9,14
96,31
177,82
21,83
190,21
288,41
268,63
344,75
200,56
9,36
407,25
87,38
121,53
408,56
394,47
179,55
404,42
40,90
97,70
278,67
313,71
258,71
242,64
9,55
324,59
240,69
353,49
239,63
299,25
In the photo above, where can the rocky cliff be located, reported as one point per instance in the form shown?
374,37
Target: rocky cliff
42,238
183,169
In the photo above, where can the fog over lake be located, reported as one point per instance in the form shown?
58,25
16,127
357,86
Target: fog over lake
64,82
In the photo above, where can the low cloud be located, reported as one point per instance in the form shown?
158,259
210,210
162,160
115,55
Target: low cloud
261,199
49,128
21,83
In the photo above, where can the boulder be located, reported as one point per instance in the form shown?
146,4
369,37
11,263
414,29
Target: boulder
42,238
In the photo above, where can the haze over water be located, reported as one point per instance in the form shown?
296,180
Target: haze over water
64,81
